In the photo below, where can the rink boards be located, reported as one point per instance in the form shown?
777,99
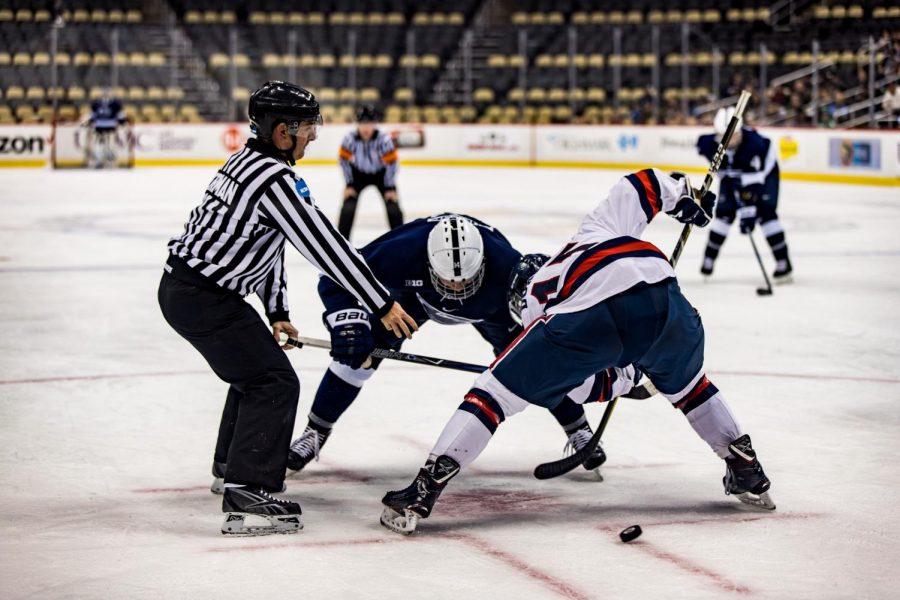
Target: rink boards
821,155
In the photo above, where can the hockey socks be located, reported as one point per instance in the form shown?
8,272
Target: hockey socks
333,397
470,428
709,415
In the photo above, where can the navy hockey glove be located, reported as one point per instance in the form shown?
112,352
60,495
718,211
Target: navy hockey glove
689,212
527,266
747,215
351,336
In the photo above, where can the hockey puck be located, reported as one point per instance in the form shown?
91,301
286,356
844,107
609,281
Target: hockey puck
630,533
763,292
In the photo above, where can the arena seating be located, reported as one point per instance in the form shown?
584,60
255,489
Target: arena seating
193,60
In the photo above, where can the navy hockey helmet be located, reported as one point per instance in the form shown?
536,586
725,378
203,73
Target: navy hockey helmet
281,102
367,113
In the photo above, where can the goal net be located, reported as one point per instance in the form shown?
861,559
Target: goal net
77,146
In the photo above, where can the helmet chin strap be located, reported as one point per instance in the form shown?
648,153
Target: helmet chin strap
289,153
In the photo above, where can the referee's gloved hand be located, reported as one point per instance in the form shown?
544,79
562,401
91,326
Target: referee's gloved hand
351,336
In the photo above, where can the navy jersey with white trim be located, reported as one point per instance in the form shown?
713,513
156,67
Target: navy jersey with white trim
106,113
753,162
399,260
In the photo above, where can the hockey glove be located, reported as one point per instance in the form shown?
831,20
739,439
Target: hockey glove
351,336
527,266
747,215
689,212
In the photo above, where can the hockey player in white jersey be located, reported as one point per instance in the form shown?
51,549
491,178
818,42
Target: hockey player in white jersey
605,307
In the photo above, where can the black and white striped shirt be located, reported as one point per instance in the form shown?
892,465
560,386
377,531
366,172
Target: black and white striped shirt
375,155
235,237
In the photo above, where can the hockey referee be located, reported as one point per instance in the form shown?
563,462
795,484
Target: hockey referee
368,157
233,245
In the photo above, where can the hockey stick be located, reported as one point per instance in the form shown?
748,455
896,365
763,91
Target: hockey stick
641,392
562,466
766,291
393,355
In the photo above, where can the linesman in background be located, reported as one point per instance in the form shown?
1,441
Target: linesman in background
368,157
233,245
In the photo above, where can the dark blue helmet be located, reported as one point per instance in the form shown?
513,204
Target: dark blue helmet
521,274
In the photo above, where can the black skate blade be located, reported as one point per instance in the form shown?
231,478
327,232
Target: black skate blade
234,524
404,524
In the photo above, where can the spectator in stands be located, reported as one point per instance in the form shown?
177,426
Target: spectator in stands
368,157
891,104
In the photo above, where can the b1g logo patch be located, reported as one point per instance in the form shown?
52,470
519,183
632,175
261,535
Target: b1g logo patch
415,283
302,189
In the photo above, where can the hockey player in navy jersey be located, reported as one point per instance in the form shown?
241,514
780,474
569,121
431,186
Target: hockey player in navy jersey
748,190
606,306
106,117
450,269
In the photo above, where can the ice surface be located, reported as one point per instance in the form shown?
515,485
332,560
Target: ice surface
108,419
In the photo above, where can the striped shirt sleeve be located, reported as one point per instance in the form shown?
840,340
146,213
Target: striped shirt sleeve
273,291
389,157
345,158
315,237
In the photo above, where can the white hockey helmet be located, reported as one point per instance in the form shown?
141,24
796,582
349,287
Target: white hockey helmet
455,257
721,121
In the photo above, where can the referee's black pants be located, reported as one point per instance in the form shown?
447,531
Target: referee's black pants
348,208
258,419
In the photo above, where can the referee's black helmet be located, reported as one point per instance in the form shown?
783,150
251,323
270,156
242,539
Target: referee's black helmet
281,102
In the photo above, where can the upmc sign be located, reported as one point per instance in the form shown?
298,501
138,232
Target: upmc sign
233,138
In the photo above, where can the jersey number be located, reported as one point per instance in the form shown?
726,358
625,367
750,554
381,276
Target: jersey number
542,290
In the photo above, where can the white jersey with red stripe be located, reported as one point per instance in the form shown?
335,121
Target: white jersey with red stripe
607,257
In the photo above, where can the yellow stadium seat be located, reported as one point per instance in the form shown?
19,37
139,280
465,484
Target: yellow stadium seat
580,18
258,18
155,93
421,19
369,94
326,61
395,18
596,94
98,15
156,59
120,58
364,61
376,18
315,18
193,16
536,95
430,61
75,93
21,59
41,15
403,94
515,95
519,18
483,95
497,61
34,93
218,60
327,94
210,16
616,17
136,93
6,14
240,93
337,18
228,17
174,93
81,59
347,95
598,17
711,15
134,16
438,18
40,58
24,14
557,94
456,18
838,12
516,60
137,59
15,92
271,60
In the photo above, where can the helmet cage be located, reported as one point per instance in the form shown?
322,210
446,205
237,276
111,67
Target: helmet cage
469,287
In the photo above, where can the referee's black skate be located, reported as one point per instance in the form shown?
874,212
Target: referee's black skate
744,476
404,508
578,440
242,502
305,448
